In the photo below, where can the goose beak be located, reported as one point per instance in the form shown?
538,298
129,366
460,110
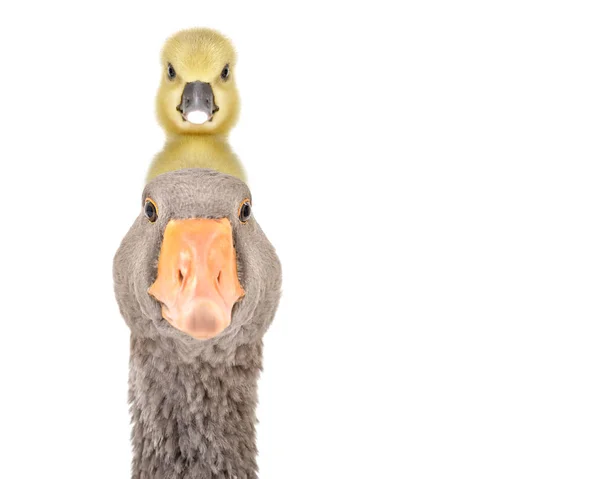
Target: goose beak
197,103
197,282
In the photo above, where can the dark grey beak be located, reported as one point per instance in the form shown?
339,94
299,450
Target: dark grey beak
197,103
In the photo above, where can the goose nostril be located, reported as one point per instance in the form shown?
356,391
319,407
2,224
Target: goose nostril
219,278
180,277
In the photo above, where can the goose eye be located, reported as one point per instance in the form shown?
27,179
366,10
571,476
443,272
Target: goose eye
245,211
150,210
171,72
225,72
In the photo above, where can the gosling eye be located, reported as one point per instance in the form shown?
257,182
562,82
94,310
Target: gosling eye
225,72
245,211
171,72
150,210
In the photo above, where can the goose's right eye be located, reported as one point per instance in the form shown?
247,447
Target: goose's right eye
150,210
245,211
171,72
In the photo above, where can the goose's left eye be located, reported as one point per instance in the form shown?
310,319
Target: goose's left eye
150,210
225,72
245,211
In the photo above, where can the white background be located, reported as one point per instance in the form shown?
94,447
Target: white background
428,172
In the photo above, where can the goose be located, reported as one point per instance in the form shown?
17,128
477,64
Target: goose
198,283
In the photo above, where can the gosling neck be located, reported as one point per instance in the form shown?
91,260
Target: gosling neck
193,419
178,136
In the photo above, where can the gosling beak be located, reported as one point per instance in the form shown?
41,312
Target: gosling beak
197,103
197,282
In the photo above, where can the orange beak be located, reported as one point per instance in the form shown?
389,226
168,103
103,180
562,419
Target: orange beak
197,281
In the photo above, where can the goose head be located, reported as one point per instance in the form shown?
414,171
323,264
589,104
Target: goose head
195,268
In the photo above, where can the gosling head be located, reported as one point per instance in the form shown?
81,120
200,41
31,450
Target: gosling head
195,270
197,93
